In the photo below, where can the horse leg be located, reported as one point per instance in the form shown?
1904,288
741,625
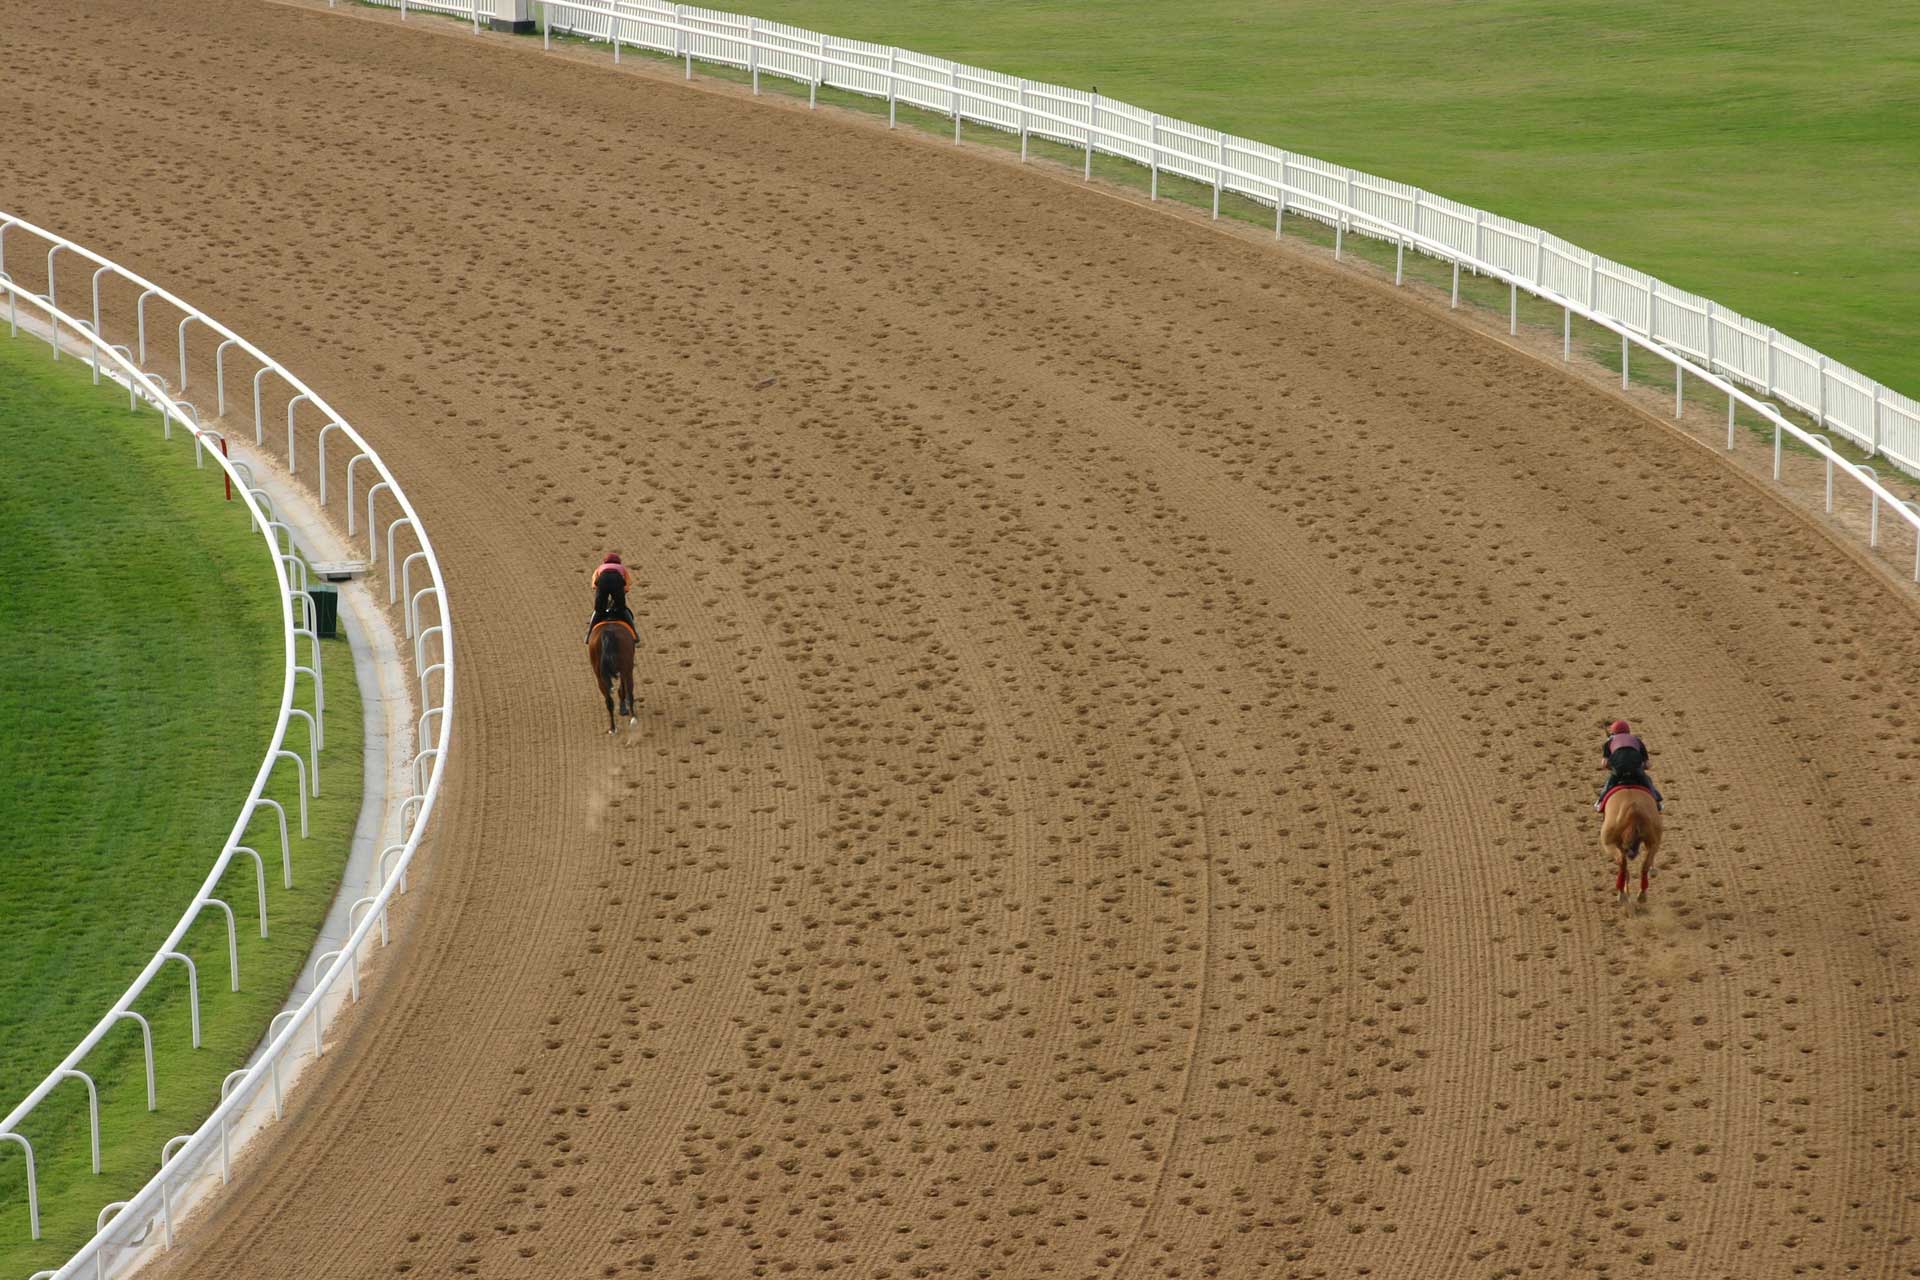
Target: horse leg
1616,847
626,686
593,665
603,659
1648,851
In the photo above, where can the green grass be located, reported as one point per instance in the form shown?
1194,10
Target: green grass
139,676
1761,153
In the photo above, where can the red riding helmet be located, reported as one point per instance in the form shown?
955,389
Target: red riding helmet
613,557
1619,726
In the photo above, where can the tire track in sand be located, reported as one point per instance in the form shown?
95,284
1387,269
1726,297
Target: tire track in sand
1185,1101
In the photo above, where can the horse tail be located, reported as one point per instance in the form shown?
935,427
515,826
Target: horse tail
609,655
1632,832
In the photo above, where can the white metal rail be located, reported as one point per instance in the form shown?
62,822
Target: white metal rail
185,1156
1673,322
142,386
1723,350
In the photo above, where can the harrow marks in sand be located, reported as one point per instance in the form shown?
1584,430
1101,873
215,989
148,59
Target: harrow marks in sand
1111,793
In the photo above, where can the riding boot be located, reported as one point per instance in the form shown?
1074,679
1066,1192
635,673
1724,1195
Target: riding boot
1613,780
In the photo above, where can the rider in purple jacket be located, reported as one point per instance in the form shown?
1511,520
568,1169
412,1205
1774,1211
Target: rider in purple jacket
1626,757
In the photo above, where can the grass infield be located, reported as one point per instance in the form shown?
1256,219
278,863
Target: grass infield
140,669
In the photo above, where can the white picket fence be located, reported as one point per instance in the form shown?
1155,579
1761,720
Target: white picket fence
1722,341
187,1156
1696,336
1838,398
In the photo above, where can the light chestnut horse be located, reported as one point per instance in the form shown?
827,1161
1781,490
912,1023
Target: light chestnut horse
1630,825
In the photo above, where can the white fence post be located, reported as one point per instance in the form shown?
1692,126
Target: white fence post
93,1109
1093,120
1280,205
193,990
1153,157
33,1187
1219,172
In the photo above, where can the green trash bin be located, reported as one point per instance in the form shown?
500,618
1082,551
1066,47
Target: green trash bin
326,611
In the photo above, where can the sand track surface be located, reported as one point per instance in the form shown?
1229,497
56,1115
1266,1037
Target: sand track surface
1120,707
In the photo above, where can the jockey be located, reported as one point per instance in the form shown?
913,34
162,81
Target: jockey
1626,757
610,579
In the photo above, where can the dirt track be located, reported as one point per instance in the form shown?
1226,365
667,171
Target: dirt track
1119,714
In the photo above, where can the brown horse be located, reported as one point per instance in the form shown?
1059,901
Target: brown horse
1631,825
610,653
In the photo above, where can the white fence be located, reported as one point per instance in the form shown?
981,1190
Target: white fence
1695,335
141,386
184,1157
1668,319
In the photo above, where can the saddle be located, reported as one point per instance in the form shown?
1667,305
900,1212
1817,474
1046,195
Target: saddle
1621,786
598,623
